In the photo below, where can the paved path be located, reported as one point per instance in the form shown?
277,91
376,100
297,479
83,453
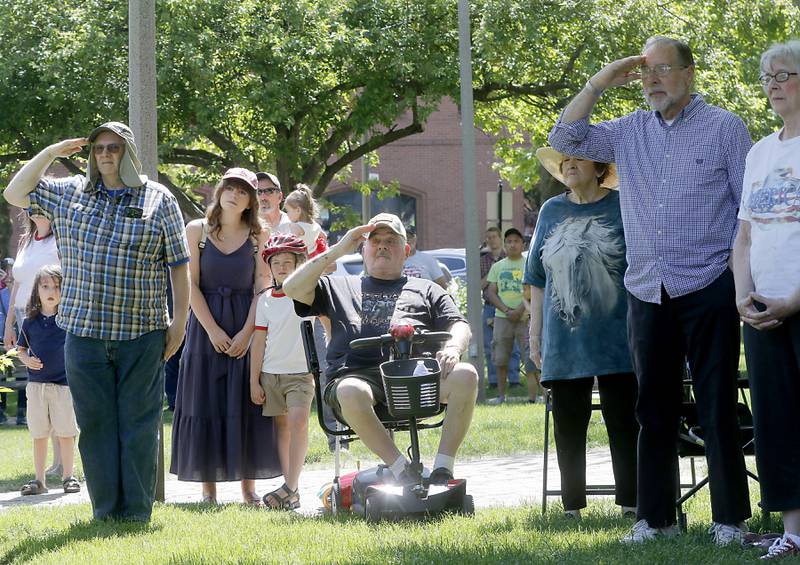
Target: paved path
496,481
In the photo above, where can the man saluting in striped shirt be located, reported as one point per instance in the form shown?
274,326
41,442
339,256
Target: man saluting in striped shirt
680,167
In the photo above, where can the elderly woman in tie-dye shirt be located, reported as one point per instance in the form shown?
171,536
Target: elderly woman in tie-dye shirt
578,310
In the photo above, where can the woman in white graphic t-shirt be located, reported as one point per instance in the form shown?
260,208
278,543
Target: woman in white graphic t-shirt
767,276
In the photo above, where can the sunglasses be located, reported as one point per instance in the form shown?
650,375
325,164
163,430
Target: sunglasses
113,148
268,190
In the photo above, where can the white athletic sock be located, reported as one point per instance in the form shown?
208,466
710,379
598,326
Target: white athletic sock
398,466
445,461
794,538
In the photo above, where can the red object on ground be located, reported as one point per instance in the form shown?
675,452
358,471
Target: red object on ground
346,489
401,331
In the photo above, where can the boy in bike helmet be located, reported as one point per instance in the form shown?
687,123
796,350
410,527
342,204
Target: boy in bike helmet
279,377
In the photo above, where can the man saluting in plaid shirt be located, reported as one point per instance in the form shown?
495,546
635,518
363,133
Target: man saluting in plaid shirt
120,236
680,168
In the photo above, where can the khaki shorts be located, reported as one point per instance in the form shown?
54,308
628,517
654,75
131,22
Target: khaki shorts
286,390
50,410
505,332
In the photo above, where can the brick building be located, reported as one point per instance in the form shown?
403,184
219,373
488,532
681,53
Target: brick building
428,167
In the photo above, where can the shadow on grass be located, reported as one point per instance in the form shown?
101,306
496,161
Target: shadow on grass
53,494
31,547
204,507
11,484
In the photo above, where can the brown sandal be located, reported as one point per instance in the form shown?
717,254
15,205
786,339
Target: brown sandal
252,499
33,487
282,498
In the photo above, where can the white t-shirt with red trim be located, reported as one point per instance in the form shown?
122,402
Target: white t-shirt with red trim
284,352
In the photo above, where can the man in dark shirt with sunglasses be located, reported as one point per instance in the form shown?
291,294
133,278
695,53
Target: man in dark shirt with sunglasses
120,236
681,168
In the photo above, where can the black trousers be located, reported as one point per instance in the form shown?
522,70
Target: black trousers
773,367
702,327
572,409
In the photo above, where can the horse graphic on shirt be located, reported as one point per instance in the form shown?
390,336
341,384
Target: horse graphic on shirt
584,258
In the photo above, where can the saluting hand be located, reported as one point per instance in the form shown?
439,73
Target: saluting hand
618,73
67,147
354,238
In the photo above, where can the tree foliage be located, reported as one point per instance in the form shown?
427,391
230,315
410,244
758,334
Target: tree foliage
570,41
306,87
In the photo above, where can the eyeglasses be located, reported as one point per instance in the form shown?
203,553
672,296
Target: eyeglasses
661,70
113,148
782,76
272,190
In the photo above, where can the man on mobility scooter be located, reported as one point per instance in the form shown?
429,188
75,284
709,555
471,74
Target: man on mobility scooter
367,306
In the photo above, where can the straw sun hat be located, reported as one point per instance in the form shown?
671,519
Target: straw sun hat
551,160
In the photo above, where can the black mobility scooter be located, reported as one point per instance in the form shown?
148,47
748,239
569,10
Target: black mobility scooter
412,388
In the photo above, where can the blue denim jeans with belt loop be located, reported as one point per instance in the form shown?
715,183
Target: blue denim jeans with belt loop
117,389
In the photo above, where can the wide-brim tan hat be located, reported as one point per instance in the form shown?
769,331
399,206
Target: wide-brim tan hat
551,160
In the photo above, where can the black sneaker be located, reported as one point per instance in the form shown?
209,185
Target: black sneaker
440,476
408,478
22,421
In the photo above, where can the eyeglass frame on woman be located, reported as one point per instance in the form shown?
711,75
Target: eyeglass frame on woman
113,148
660,70
270,190
769,77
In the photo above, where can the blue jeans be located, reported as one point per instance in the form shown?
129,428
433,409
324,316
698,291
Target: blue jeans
513,362
171,371
117,389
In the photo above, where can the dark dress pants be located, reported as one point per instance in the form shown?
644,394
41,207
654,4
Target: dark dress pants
572,409
702,327
773,367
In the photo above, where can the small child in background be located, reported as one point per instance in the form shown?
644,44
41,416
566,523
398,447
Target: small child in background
279,377
303,211
41,350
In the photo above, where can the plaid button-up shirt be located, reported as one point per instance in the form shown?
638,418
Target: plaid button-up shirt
680,187
487,260
115,254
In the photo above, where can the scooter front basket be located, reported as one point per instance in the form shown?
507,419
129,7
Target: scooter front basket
410,396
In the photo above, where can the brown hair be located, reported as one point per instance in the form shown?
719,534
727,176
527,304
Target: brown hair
28,230
601,168
249,216
34,306
303,199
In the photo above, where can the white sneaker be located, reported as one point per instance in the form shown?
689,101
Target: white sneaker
496,401
725,534
782,547
572,514
642,532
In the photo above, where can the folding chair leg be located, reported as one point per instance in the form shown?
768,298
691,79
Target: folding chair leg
547,408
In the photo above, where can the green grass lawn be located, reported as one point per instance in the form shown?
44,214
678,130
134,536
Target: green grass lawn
198,534
512,428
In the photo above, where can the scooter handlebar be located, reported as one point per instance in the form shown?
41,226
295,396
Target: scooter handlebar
417,338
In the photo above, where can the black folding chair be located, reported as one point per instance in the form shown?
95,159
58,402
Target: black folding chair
692,445
591,490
